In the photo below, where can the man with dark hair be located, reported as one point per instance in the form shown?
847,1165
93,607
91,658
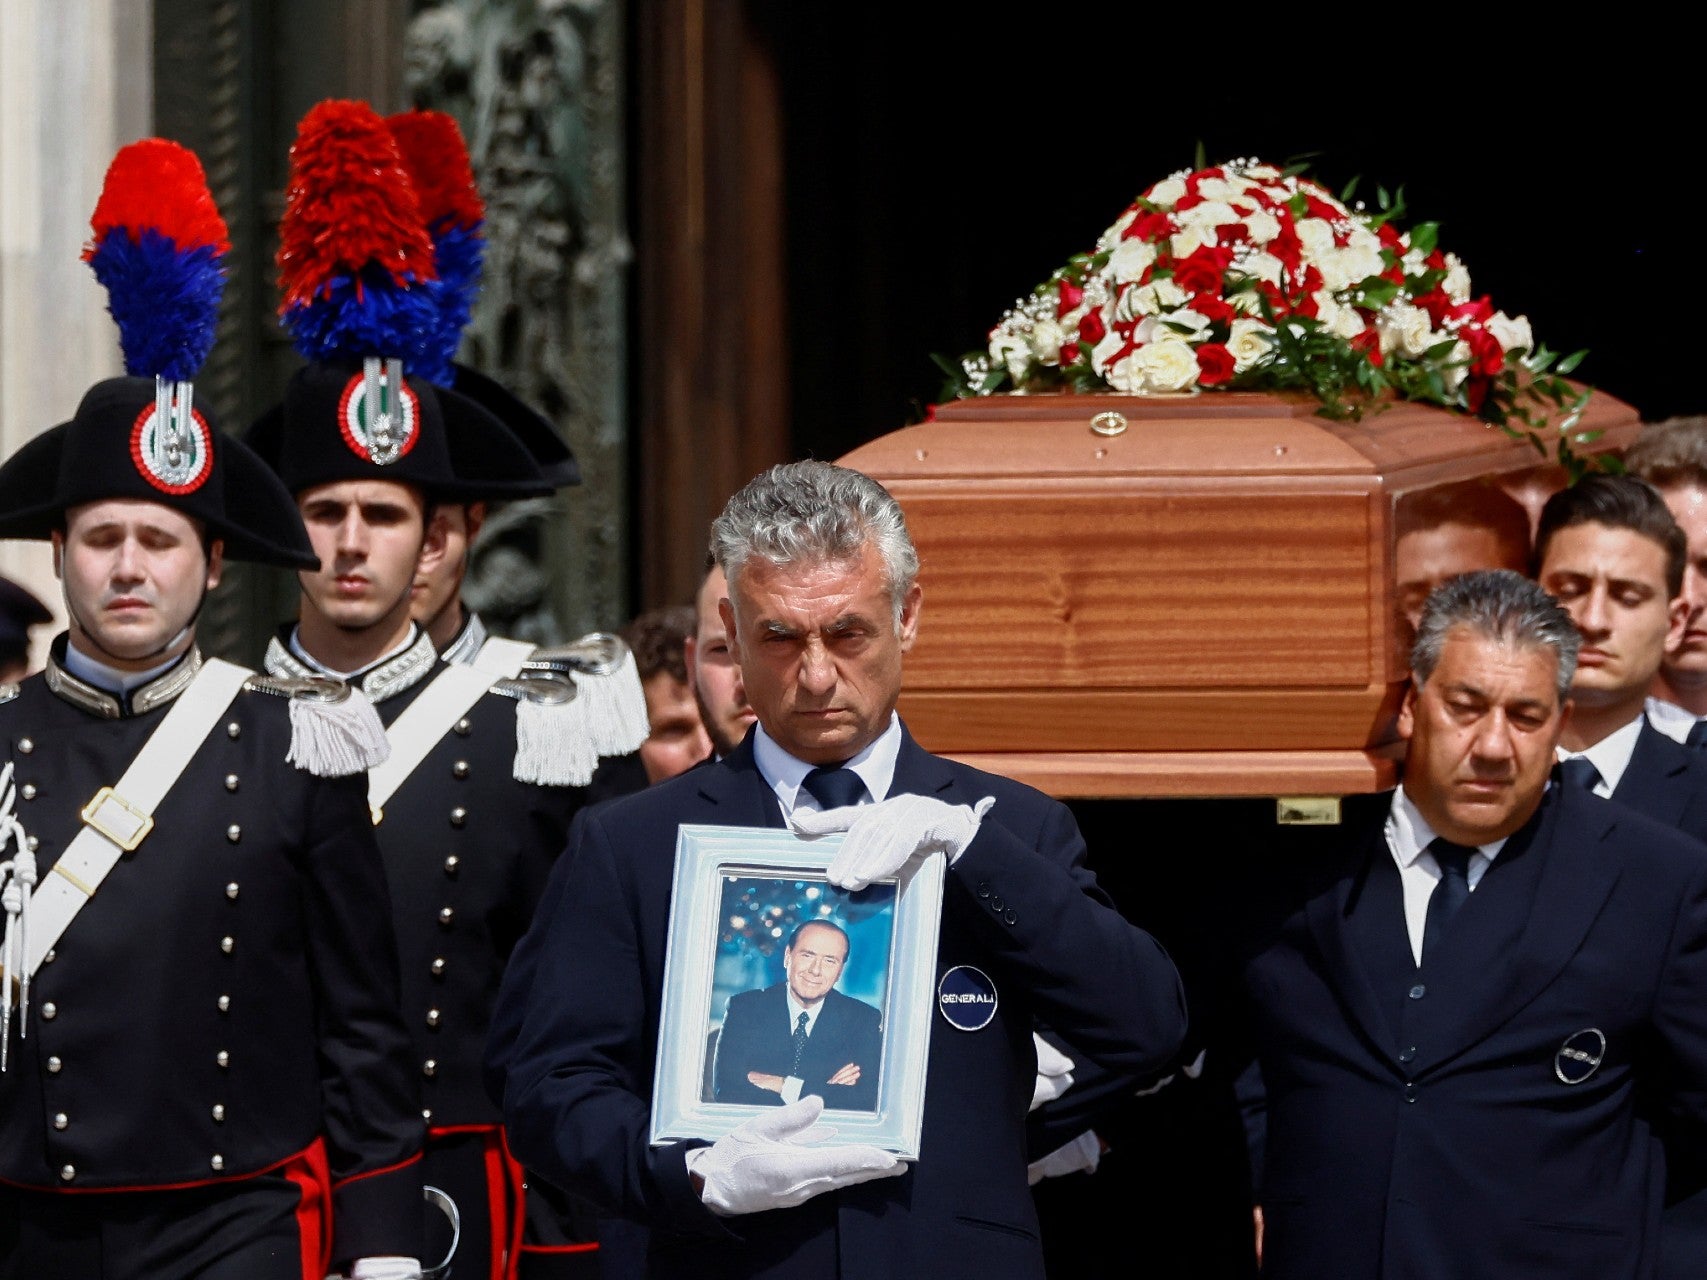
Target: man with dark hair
1608,550
713,671
823,604
802,1037
1451,529
677,741
1469,1020
1672,456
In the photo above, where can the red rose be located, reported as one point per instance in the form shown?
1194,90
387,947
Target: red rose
1369,343
1201,271
1214,364
1487,358
1213,308
1318,208
1437,304
1287,246
1475,393
1069,353
1071,296
1389,237
1091,328
1190,200
1150,227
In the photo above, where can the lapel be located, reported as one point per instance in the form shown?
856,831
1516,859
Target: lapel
738,791
1520,928
1353,932
1649,784
918,772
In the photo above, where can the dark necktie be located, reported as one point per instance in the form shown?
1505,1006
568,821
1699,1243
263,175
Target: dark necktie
1579,771
1697,735
834,787
799,1046
1450,893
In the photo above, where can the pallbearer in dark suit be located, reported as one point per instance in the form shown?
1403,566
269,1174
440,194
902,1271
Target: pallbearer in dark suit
823,604
1472,1023
473,805
801,1037
1672,456
1609,552
208,1075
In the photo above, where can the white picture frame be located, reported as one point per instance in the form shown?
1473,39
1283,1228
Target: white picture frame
739,893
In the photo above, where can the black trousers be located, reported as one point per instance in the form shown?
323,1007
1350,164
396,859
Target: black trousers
243,1230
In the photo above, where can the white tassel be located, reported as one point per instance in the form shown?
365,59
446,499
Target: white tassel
336,739
613,708
553,745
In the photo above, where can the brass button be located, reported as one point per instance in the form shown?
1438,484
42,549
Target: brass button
49,1011
61,1120
25,746
464,727
225,1004
231,891
28,790
66,1171
439,967
234,833
432,1017
219,1113
451,864
446,915
231,782
222,1058
234,730
217,1164
458,816
54,1065
430,1068
459,769
226,943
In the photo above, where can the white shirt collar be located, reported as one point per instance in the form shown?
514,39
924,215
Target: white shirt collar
111,679
1409,835
795,1009
875,767
1670,719
1611,755
350,676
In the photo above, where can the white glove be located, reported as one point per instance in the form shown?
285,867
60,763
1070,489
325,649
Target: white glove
1082,1154
885,837
768,1162
390,1268
1054,1073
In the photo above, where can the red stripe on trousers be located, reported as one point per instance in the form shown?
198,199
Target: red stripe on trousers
312,1178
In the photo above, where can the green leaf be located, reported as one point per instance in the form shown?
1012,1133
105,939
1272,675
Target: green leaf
1197,161
1425,237
1350,190
1569,363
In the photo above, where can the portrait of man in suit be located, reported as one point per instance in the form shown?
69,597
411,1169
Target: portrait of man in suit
801,1037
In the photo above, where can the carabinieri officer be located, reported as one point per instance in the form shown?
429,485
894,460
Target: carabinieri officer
206,1071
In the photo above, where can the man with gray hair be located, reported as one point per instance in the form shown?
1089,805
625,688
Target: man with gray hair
1469,1024
823,604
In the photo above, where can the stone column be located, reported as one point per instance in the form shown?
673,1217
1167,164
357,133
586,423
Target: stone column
74,87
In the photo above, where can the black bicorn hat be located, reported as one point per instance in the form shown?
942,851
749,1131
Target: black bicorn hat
364,304
158,247
111,449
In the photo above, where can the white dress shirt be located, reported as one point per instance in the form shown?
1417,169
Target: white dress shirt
1408,838
1610,756
1672,720
875,767
792,1085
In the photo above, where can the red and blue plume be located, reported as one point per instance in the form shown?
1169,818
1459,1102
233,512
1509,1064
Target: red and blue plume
436,159
355,262
158,249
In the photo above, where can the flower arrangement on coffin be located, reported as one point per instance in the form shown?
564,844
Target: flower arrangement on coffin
1253,277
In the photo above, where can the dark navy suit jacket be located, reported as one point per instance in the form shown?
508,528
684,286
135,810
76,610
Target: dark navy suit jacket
1667,781
1019,904
1420,1120
755,1036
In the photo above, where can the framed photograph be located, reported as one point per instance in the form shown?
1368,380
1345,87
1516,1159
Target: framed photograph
777,985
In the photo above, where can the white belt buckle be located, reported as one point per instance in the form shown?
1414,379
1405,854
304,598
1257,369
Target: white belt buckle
118,819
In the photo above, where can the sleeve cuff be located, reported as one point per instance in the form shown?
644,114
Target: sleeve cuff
791,1087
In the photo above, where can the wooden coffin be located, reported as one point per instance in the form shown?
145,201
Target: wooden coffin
1200,604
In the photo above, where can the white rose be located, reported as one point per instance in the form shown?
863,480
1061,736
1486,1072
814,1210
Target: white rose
1166,365
1457,366
1104,351
1166,192
1362,261
1131,259
1511,334
1190,319
1248,341
1457,282
1046,339
1405,329
1339,320
1009,349
1246,302
1161,295
1108,239
1217,189
1188,240
1262,225
1317,237
1264,266
1211,213
1125,376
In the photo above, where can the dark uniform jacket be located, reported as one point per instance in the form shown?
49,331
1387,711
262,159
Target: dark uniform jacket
1492,1111
1019,905
755,1036
1667,781
228,998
